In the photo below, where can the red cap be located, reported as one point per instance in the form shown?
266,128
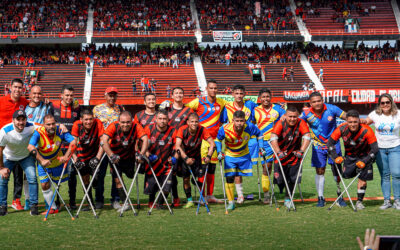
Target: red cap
111,89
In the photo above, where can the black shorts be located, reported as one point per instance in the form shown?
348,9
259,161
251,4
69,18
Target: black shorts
151,186
290,172
197,168
124,166
350,170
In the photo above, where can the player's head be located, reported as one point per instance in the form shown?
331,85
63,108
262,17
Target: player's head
17,86
111,95
87,118
316,101
67,94
386,105
238,93
193,121
36,94
125,121
265,97
49,123
150,100
19,120
212,88
353,120
292,115
239,119
162,118
177,94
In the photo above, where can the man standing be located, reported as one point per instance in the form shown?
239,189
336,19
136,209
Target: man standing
37,108
147,116
14,140
209,110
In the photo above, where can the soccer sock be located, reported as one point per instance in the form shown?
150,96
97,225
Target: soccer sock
319,184
229,191
265,183
188,193
239,189
26,189
48,196
152,197
338,190
210,184
361,193
174,187
121,194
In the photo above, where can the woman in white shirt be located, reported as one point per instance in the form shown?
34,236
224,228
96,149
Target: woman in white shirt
386,119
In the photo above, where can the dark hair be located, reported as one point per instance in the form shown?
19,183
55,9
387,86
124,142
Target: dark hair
239,87
315,93
162,111
148,94
173,90
291,108
48,116
211,81
125,112
353,113
264,90
193,115
67,87
86,112
16,80
239,114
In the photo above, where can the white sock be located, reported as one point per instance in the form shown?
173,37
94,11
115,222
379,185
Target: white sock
48,195
26,189
231,202
319,184
239,189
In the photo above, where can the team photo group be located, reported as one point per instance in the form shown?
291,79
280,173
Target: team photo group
54,144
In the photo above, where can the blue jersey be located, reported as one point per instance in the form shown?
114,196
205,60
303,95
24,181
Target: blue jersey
321,127
37,114
230,108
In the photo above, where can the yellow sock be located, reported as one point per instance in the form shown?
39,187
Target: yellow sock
230,187
265,183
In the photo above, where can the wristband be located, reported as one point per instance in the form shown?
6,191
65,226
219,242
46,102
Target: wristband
186,158
209,157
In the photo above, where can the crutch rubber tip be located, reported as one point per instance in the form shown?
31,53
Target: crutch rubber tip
72,218
277,209
45,219
135,214
226,212
209,213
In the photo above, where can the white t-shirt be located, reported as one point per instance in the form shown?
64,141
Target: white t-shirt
387,129
15,143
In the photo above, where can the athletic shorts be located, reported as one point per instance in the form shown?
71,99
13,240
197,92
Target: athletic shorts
204,152
270,154
54,173
198,169
124,166
254,151
238,166
319,156
151,186
350,170
290,172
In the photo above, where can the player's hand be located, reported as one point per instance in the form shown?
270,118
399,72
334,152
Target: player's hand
207,159
4,173
263,152
360,164
298,153
370,241
114,158
79,164
139,158
45,163
93,163
63,129
190,161
281,155
221,156
339,160
63,159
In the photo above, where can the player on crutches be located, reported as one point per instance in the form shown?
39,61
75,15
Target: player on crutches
289,140
119,142
361,149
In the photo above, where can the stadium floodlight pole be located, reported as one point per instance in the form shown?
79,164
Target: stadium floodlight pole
201,198
272,186
90,185
223,185
134,180
258,180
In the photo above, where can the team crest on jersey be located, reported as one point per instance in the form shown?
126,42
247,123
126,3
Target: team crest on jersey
161,142
125,143
21,107
117,138
330,118
74,114
192,144
169,140
30,116
290,138
247,114
143,122
153,139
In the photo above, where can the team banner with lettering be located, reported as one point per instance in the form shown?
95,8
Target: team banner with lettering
227,36
230,98
354,96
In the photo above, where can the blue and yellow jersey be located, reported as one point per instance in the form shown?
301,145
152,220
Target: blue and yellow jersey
266,119
209,113
50,149
237,145
248,109
321,127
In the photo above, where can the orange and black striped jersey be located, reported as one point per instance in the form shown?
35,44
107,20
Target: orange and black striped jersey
178,117
88,141
144,119
192,143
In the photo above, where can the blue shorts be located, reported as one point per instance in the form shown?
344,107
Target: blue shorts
54,174
254,151
238,166
319,156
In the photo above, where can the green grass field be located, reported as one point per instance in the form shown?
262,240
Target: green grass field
251,225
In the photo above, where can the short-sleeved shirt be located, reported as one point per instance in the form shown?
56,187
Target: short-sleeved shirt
16,143
37,114
321,127
144,119
88,141
66,115
387,129
178,117
123,144
208,112
8,107
161,144
289,139
236,145
230,108
192,143
355,144
266,119
106,114
50,148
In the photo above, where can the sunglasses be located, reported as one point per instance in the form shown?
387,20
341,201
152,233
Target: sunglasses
385,103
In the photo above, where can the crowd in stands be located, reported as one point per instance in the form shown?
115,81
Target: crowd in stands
151,15
31,16
239,15
362,53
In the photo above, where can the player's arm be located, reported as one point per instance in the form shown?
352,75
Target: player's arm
4,172
274,143
371,139
332,141
178,147
218,142
33,142
276,132
106,145
306,138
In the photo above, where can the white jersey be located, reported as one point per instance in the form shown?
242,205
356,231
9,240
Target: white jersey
387,128
15,143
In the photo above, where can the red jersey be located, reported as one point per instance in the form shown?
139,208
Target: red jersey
88,141
8,107
192,143
144,119
178,117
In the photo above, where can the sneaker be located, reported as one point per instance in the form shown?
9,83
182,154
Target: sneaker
267,198
287,203
360,205
177,202
396,204
321,202
341,202
124,208
116,205
16,204
231,206
386,205
34,210
52,211
189,204
3,210
99,205
27,205
212,199
240,200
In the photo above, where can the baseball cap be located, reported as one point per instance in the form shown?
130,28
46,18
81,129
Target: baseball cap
19,113
111,89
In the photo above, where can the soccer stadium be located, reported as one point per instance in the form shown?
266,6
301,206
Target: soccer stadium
200,124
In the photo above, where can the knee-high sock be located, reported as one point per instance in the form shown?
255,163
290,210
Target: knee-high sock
210,184
48,196
230,187
361,193
319,184
265,183
239,189
26,189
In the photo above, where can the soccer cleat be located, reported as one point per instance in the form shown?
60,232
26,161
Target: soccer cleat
3,210
321,202
231,206
99,205
267,198
52,211
16,204
189,204
116,205
177,202
287,203
360,205
212,199
341,202
34,210
240,200
396,204
386,204
27,205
